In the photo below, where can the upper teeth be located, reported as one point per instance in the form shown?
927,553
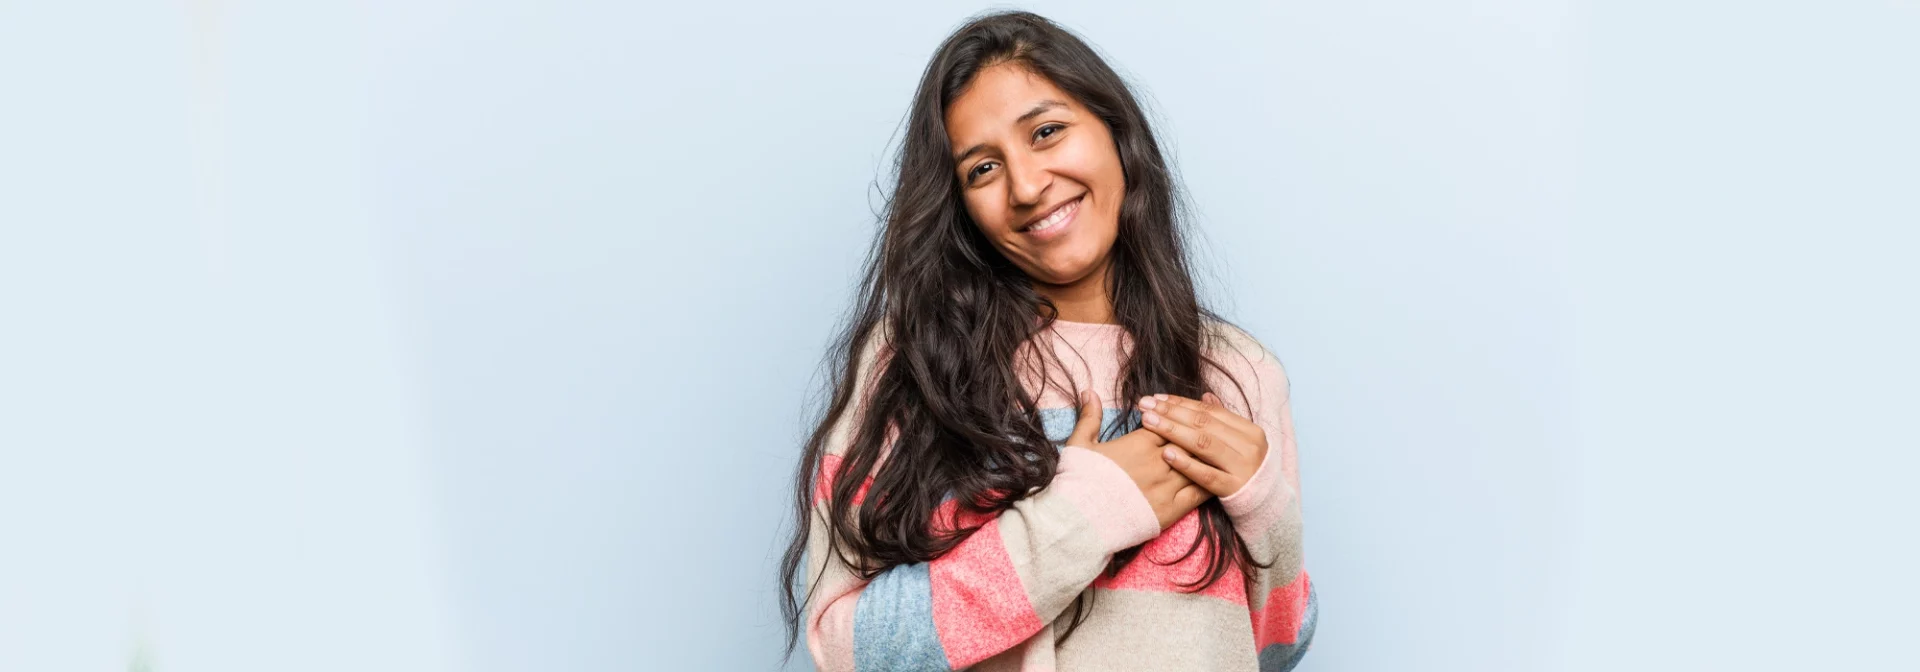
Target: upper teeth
1058,215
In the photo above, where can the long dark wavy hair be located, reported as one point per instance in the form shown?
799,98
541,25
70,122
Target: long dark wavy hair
955,314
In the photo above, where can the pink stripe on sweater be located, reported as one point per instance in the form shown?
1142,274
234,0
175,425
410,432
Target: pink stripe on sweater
1279,622
829,470
1159,569
980,607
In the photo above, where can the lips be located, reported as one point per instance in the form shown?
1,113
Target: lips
1059,217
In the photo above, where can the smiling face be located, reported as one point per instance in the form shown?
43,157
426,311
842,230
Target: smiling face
1040,175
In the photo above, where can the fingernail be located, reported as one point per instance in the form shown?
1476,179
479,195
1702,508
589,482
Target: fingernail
1162,396
1150,418
1146,402
1171,454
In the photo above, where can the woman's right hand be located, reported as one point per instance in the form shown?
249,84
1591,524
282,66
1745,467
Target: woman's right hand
1138,452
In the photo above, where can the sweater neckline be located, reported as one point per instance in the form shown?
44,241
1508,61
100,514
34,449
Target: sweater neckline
1090,333
1087,326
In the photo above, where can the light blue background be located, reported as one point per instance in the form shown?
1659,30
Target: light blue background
481,335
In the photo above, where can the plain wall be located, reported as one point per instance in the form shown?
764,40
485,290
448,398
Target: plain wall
483,335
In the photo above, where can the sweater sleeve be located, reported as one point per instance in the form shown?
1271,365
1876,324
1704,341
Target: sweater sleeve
1266,514
994,590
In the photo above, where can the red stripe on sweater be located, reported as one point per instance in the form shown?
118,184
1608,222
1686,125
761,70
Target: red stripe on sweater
1279,621
980,607
829,470
1147,573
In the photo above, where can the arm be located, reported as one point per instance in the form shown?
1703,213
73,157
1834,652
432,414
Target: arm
1266,514
991,592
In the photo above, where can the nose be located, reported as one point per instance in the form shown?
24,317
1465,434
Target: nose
1029,178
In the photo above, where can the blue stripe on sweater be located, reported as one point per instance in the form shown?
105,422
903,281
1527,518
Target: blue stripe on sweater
893,623
1058,423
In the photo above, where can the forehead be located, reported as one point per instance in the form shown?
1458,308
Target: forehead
995,99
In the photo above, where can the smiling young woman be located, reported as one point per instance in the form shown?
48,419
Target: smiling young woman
1042,453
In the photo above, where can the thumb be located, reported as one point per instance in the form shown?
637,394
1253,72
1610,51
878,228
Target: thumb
1087,428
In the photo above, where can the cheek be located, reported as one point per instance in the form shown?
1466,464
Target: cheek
988,213
1088,156
1097,164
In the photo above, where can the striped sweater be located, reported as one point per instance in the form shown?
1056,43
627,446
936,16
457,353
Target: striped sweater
1000,599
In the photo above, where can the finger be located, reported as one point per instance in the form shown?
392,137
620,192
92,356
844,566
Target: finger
1218,408
1214,400
1191,497
1214,445
1233,417
1086,430
1202,474
1176,434
1202,415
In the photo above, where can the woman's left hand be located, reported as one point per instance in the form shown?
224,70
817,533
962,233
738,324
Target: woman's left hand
1216,448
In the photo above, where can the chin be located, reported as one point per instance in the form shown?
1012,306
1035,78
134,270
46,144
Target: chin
1064,271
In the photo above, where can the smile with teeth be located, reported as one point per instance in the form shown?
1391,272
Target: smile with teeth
1059,215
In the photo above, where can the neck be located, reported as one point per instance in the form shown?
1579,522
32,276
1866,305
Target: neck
1083,300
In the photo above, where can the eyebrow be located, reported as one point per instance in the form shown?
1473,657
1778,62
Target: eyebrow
1042,106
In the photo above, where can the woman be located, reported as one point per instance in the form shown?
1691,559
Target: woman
1067,462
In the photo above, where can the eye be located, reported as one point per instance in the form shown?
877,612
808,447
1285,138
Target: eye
971,174
1055,128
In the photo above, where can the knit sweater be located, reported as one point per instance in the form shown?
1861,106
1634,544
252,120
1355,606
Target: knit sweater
999,600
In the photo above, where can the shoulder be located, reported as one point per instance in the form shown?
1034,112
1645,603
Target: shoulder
875,349
1232,342
1248,361
867,356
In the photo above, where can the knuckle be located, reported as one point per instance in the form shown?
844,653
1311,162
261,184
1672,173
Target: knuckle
1202,419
